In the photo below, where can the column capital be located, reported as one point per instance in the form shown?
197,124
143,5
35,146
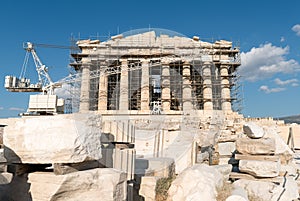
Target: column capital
224,66
145,60
123,61
207,63
186,63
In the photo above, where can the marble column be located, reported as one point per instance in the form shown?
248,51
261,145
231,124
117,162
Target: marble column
124,86
165,92
103,87
84,104
207,86
225,90
145,86
186,88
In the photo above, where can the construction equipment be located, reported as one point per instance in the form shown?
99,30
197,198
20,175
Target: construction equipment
41,104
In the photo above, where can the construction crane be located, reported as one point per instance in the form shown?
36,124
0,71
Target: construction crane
23,84
46,102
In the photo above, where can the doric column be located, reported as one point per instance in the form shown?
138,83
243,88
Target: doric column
124,86
103,87
145,86
165,92
207,86
225,91
84,105
187,90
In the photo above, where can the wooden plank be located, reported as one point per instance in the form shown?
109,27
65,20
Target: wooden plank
237,175
257,157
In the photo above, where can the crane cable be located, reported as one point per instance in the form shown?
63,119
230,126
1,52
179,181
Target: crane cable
24,66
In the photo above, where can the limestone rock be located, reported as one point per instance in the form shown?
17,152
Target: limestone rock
5,178
238,194
281,148
1,135
225,170
236,198
260,168
252,130
100,183
3,166
226,148
198,182
256,146
147,188
291,189
267,191
289,170
159,167
68,138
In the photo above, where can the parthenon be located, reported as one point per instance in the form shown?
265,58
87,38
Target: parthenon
152,71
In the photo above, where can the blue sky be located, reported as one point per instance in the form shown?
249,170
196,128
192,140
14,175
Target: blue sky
268,33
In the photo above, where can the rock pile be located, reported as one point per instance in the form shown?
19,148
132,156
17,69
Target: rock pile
58,158
265,160
226,146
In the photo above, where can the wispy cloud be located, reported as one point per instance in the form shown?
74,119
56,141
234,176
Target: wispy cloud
67,91
1,108
265,61
296,28
291,82
16,109
282,39
268,90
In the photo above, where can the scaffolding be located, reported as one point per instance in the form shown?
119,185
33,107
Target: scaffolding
157,46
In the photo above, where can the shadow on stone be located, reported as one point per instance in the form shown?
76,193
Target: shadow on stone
19,187
107,150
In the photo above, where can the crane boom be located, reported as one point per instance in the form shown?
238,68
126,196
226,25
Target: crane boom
42,70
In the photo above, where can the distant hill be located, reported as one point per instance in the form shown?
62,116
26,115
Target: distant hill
291,119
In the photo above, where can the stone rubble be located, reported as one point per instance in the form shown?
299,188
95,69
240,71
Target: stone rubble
266,157
252,156
105,183
199,182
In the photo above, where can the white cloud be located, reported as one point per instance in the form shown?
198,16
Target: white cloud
266,61
268,90
296,28
291,82
294,84
282,39
16,109
1,108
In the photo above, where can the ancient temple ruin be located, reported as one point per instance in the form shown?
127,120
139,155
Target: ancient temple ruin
150,71
150,106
